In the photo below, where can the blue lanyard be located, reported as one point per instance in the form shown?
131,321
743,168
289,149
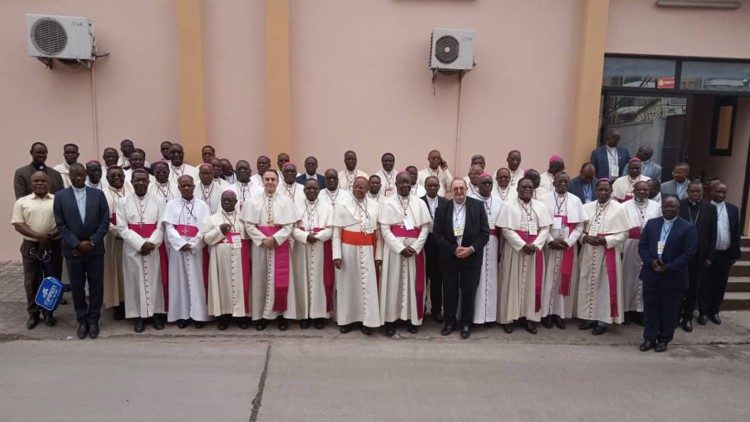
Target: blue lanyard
665,232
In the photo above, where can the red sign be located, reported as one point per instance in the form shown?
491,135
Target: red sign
665,83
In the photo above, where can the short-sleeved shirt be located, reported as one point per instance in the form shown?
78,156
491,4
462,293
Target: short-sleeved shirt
35,212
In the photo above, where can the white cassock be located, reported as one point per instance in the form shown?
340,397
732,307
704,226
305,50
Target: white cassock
272,276
379,198
418,191
632,285
403,222
138,222
185,169
210,194
622,187
164,192
387,182
485,302
129,178
184,223
471,190
113,275
125,162
64,170
231,179
334,198
444,176
515,176
546,182
507,194
295,192
467,179
357,243
102,185
257,180
223,183
346,178
313,262
522,274
540,193
561,267
228,266
244,192
600,283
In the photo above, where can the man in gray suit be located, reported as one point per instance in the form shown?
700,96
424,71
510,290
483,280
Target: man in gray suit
679,185
648,167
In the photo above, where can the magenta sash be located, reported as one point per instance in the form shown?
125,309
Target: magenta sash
568,256
143,230
539,267
280,268
186,230
611,263
113,219
328,270
634,233
420,281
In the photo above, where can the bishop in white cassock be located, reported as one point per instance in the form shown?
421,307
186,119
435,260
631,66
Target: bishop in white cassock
357,255
139,224
547,178
114,294
387,175
404,224
229,264
375,188
207,189
351,172
289,187
333,194
622,188
514,167
312,254
184,222
485,302
640,210
160,187
268,219
244,187
417,189
502,188
472,181
561,253
525,225
600,282
178,168
439,168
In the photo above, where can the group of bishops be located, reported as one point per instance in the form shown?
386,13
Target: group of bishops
368,251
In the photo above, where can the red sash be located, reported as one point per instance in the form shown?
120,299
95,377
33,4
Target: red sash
280,268
328,270
113,219
493,232
611,263
634,233
568,256
420,280
357,238
539,267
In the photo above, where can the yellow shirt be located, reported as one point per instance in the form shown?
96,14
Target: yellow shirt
35,212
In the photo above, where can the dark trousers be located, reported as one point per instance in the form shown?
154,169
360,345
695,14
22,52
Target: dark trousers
80,270
435,277
661,301
463,281
696,276
34,269
711,292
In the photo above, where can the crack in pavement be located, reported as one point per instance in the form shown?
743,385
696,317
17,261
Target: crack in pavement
261,386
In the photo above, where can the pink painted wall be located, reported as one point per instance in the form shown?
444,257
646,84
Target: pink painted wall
360,81
639,27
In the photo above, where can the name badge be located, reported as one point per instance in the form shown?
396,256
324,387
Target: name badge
557,223
532,229
367,226
458,230
594,230
660,247
408,222
234,240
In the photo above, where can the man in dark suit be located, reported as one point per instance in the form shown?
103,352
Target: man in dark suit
584,185
728,232
461,231
678,185
22,178
311,169
432,252
703,215
82,219
608,153
667,246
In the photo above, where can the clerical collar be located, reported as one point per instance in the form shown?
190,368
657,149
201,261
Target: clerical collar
695,204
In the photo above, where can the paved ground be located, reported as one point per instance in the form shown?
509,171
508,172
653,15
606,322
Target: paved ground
321,375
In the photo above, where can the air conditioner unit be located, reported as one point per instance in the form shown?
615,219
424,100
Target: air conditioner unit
60,37
452,50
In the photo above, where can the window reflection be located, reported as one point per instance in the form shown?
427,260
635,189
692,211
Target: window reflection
639,73
715,76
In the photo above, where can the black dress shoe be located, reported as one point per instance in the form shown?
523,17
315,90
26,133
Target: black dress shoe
715,319
94,329
447,329
647,345
437,317
599,330
389,330
33,321
320,323
83,330
412,328
158,323
223,323
304,324
182,323
547,321
244,323
560,322
366,330
261,325
345,328
283,324
465,331
199,324
139,325
531,327
508,328
587,325
661,347
49,319
119,312
702,319
687,325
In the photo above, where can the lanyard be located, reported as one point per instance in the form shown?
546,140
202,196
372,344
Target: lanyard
362,208
142,207
332,198
697,215
207,192
642,211
458,214
311,210
232,222
500,192
665,231
560,205
188,206
600,210
526,207
404,206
